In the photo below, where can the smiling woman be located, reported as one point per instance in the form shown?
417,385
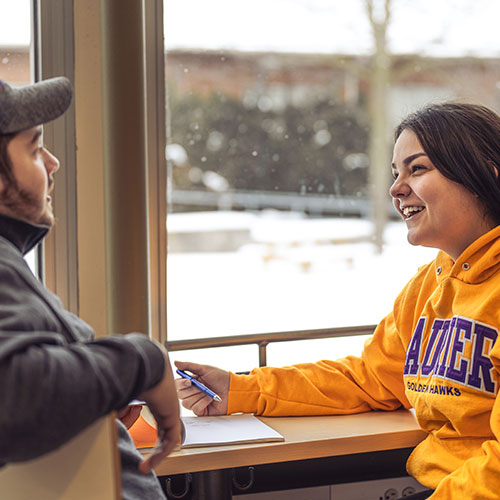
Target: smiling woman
437,351
445,166
293,123
461,140
439,212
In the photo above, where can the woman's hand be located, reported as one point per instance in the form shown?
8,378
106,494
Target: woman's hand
193,399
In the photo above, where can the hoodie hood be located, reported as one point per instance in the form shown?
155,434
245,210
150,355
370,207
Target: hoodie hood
477,263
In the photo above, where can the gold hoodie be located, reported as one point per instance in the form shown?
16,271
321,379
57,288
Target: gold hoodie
435,352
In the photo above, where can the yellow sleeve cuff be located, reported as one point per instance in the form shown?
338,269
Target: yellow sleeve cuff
244,393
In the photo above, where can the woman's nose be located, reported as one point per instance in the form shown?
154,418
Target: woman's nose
399,188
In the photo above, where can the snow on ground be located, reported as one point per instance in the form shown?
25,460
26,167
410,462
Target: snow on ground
290,277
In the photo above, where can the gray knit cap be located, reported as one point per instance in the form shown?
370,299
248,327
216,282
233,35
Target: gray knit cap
25,107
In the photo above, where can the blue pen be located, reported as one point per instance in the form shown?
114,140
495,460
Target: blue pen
200,386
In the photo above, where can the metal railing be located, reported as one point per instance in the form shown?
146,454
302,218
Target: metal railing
262,340
256,200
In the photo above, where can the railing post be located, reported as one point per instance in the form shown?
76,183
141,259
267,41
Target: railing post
262,353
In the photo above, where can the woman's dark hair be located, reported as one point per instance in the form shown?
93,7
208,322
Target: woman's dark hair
6,173
463,142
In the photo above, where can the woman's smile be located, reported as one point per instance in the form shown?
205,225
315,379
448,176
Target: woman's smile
438,212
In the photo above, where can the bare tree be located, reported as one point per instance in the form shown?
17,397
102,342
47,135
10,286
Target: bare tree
379,78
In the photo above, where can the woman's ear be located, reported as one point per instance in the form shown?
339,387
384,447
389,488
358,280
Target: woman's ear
494,167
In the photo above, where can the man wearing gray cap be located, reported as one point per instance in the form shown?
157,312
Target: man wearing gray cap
55,378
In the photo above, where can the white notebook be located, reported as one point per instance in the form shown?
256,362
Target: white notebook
227,429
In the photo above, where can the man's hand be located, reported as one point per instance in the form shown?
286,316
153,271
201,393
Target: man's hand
163,404
197,401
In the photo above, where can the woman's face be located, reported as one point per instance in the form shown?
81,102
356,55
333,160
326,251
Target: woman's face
438,212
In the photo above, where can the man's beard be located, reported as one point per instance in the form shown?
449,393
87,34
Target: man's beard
22,204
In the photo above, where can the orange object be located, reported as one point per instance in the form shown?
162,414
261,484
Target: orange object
143,433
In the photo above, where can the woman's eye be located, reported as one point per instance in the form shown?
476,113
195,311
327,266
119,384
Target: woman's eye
416,168
394,175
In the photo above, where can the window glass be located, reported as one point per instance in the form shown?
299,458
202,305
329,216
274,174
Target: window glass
15,42
280,119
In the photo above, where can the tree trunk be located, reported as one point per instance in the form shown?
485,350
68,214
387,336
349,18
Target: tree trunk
378,147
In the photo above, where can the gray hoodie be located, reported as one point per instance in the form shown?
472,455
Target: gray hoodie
55,379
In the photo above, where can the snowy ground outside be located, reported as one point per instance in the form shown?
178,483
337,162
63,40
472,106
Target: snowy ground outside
290,276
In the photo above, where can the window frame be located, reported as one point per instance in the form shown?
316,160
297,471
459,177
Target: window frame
76,260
